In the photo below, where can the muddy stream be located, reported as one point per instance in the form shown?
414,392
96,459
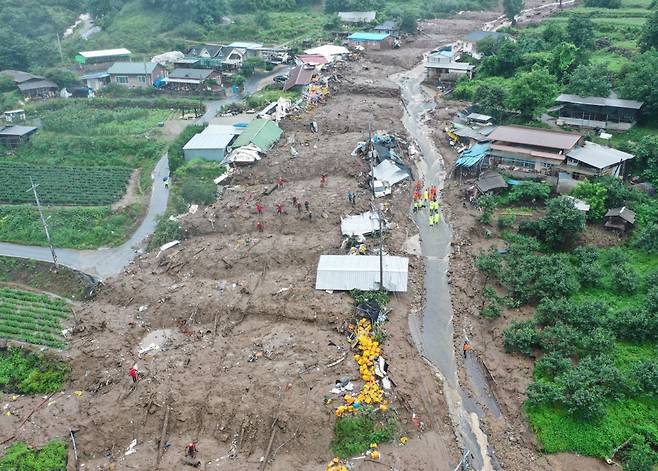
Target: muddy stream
433,329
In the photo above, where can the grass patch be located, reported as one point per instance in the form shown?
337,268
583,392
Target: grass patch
19,457
79,228
354,434
266,96
23,372
40,276
382,297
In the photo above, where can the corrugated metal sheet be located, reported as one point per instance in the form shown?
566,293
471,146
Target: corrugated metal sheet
390,172
357,16
535,137
347,272
360,224
364,36
598,156
600,101
262,133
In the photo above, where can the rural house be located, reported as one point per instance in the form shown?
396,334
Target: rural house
261,133
96,80
357,16
193,79
14,136
33,86
438,66
593,159
299,77
370,40
597,112
135,74
620,219
211,143
470,41
206,51
531,149
387,27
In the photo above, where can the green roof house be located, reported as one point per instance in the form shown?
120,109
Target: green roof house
261,133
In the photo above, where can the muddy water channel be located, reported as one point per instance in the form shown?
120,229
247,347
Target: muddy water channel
433,329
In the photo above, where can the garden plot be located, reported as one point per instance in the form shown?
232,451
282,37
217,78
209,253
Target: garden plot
32,317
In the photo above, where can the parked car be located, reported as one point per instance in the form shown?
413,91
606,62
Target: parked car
280,78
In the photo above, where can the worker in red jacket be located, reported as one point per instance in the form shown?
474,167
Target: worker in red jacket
191,450
259,208
134,374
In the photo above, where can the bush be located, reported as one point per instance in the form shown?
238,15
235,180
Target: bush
354,434
639,456
635,324
552,364
18,457
491,311
176,156
506,221
521,337
490,263
647,238
360,297
562,223
27,373
626,278
166,231
198,192
542,392
528,192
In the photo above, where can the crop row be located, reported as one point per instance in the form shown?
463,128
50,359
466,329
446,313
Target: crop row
32,317
63,185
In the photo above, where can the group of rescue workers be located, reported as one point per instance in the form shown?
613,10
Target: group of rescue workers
427,198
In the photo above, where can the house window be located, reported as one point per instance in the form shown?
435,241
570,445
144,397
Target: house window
518,162
122,79
547,164
142,79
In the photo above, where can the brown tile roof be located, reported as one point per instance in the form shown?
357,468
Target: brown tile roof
300,75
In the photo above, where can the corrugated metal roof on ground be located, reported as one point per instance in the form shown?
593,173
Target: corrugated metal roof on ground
598,156
360,224
300,75
363,36
623,212
390,172
472,155
490,180
535,137
260,132
599,101
347,272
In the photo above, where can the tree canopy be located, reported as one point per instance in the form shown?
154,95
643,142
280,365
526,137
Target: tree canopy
589,80
512,8
580,30
534,92
649,35
640,80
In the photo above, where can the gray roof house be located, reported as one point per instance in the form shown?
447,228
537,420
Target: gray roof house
135,74
357,16
593,159
620,219
598,112
205,50
388,27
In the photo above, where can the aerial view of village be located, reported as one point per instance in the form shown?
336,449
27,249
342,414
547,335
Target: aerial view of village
332,235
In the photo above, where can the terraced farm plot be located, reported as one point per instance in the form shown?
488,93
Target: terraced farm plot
32,317
85,186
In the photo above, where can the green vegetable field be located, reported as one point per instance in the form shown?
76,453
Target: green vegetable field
86,186
32,317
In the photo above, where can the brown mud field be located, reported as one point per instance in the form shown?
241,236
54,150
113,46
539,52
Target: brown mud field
239,352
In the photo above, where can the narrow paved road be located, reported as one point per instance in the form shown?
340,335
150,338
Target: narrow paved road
106,262
433,331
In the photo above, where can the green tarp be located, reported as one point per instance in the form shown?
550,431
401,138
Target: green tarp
260,132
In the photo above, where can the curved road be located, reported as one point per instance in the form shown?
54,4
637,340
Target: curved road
105,262
433,331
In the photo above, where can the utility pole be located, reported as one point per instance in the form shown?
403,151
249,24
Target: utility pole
380,216
33,188
59,46
371,156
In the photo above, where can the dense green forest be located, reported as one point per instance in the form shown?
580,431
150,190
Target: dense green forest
148,27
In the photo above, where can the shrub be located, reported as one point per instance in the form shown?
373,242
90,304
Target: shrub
491,311
626,278
166,231
561,338
521,337
506,221
354,434
490,263
647,238
562,223
18,457
382,297
529,192
635,324
542,392
552,364
639,456
198,192
652,299
27,373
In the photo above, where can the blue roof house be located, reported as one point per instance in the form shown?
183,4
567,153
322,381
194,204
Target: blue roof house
371,40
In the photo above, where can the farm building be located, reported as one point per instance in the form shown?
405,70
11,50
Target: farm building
299,77
211,143
135,74
14,115
31,85
104,56
620,219
593,159
469,43
14,136
357,16
347,272
597,112
370,40
531,149
447,71
387,27
261,133
96,80
193,79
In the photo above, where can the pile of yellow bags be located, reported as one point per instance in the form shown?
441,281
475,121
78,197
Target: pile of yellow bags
371,393
336,465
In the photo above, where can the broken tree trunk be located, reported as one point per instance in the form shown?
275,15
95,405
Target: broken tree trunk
163,434
269,445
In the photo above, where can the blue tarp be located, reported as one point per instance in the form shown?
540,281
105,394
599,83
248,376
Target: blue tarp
472,155
514,182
